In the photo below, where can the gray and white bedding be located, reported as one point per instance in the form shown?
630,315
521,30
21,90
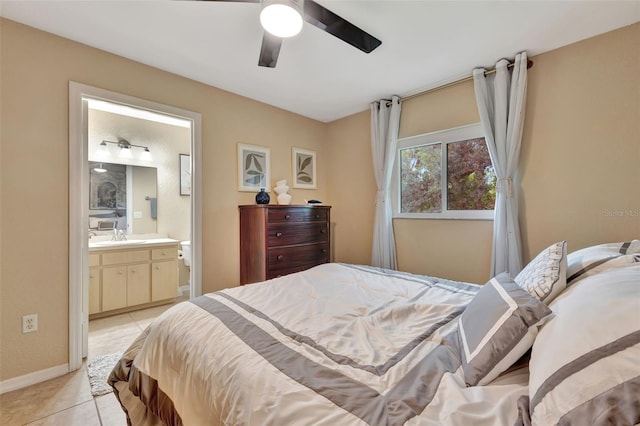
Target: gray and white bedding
353,345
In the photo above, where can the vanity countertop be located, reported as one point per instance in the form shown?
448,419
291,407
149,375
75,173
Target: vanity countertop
128,244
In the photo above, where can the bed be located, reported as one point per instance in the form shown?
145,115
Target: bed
344,344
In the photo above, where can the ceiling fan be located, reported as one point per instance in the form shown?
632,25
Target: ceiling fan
284,18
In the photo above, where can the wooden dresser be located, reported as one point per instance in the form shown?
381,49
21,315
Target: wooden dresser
278,240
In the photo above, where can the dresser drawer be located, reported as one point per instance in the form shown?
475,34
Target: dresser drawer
293,257
283,261
299,214
276,273
285,234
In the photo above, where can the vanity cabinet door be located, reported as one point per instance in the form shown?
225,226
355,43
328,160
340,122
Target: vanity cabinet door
164,280
114,290
94,290
138,284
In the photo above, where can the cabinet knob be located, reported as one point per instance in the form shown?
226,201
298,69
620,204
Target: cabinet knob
278,234
324,251
133,271
164,253
323,231
280,257
317,216
157,268
287,216
92,276
120,273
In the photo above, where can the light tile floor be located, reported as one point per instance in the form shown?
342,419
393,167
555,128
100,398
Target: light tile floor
67,400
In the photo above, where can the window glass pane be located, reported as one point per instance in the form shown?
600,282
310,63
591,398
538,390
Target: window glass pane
471,178
420,171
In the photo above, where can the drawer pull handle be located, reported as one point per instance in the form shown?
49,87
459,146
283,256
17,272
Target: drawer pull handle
280,257
163,253
324,251
323,231
278,234
288,216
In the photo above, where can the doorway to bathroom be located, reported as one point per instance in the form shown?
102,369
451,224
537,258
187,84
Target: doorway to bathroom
134,169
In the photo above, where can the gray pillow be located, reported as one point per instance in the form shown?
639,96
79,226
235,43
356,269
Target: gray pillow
498,326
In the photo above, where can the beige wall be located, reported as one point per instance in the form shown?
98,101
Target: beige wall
352,188
580,160
580,155
35,75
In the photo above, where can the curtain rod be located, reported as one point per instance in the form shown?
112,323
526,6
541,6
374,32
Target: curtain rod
453,83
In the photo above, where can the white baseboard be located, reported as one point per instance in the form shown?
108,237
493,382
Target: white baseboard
184,289
33,378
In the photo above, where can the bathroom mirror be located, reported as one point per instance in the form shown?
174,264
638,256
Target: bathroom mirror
123,197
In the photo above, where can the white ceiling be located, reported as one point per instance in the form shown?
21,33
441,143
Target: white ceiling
424,43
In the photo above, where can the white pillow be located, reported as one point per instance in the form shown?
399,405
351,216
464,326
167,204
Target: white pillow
591,260
585,362
546,276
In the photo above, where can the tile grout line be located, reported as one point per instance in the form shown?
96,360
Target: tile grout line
95,403
58,412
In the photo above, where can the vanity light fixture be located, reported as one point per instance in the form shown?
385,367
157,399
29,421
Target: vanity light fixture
282,18
125,148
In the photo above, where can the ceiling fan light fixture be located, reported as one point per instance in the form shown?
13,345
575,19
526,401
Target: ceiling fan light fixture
282,18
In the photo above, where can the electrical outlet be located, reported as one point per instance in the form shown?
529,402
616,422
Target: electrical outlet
29,323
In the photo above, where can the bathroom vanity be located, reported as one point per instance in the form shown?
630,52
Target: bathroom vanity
128,275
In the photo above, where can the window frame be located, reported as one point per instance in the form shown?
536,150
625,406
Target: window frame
444,137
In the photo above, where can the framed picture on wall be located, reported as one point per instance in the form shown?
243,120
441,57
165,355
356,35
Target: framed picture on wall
304,168
185,174
254,169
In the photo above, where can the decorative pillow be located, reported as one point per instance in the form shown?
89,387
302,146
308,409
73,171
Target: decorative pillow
591,260
546,275
498,326
584,366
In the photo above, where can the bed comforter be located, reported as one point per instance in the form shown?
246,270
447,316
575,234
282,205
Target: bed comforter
335,345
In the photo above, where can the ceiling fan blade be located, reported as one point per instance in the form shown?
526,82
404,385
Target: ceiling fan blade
235,1
328,21
270,50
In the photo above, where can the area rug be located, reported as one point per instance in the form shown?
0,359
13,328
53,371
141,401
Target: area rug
98,370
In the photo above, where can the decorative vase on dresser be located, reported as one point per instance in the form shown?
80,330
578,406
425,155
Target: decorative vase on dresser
277,240
262,197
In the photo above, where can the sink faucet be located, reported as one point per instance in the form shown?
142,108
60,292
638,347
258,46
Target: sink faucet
92,234
119,235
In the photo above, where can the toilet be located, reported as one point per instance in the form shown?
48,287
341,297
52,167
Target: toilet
186,252
185,255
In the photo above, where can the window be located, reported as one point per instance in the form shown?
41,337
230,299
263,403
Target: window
445,175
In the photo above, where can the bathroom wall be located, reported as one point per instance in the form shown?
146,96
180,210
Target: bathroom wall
165,143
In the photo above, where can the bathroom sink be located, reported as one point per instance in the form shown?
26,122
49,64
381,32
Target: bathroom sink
116,243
